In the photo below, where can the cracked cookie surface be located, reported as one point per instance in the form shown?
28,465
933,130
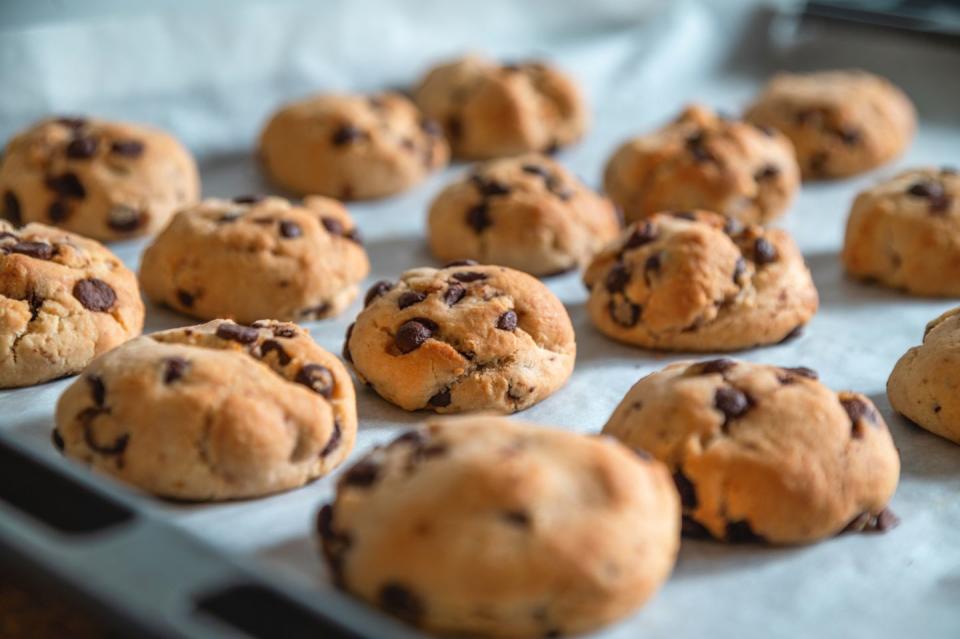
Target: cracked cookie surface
542,532
840,122
462,338
492,110
64,299
763,453
252,257
694,281
702,160
526,212
101,179
923,384
905,233
214,411
351,147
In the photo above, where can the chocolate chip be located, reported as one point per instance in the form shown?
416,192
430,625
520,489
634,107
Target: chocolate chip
347,134
36,250
739,267
818,162
802,371
11,208
71,122
732,402
362,474
849,135
185,298
740,532
127,148
711,366
82,148
489,188
696,146
454,293
469,276
517,518
36,303
624,313
409,298
273,346
937,408
354,235
617,278
290,229
66,185
334,440
536,169
868,522
926,188
441,399
688,492
413,333
378,289
398,600
125,219
557,188
174,368
346,344
335,544
431,127
767,172
641,234
764,252
283,331
98,390
237,333
552,148
653,263
690,527
454,128
685,215
58,211
859,411
95,295
940,204
317,378
478,217
118,445
796,332
460,263
732,226
507,321
57,440
332,225
247,199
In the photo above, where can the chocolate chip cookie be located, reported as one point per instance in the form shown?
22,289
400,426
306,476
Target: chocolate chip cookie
64,299
462,338
695,281
702,160
905,233
923,384
254,257
351,147
526,212
209,412
840,122
492,110
485,526
105,180
762,453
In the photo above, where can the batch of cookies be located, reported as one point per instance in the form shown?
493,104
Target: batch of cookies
483,525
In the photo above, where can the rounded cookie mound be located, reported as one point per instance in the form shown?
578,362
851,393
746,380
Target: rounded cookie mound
215,411
253,257
923,384
492,110
541,532
704,161
693,281
840,122
763,453
526,212
905,233
462,338
64,299
105,180
351,147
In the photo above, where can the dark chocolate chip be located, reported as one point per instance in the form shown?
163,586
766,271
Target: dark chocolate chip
95,295
127,148
732,226
72,122
273,346
290,229
507,321
347,134
937,408
478,217
710,366
740,532
802,371
334,440
469,276
413,333
66,185
36,250
440,399
284,331
454,128
58,211
850,135
362,474
185,298
642,234
36,303
460,263
237,333
764,252
688,492
378,289
653,263
125,219
739,268
732,402
11,208
927,188
696,147
98,390
116,447
57,440
518,518
409,298
818,162
536,169
489,188
617,278
858,411
690,527
624,313
767,172
82,148
317,378
174,368
333,225
346,344
398,600
768,131
431,127
454,293
685,215
247,199
354,236
557,188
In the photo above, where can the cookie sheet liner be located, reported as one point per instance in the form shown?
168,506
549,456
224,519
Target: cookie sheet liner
639,63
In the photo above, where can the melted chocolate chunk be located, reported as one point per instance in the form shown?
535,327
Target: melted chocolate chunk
237,333
710,366
36,250
58,211
469,276
290,229
400,601
82,148
454,293
95,295
460,263
740,532
273,346
802,371
764,252
617,278
507,321
347,134
127,148
517,518
36,303
690,527
858,411
536,169
334,440
641,234
247,199
67,185
766,173
739,268
378,289
333,225
440,399
653,263
489,188
98,390
688,492
413,333
185,298
696,146
362,474
317,378
409,298
116,447
11,208
732,402
624,313
478,217
174,368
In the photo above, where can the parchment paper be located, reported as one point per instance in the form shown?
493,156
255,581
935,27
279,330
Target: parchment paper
212,73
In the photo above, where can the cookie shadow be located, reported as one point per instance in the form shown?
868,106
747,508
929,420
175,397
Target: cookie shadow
838,290
376,413
229,175
298,558
701,558
162,318
922,453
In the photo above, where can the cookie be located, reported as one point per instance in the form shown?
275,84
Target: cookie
253,257
702,160
541,532
490,110
105,180
840,122
64,299
351,147
210,412
923,384
762,453
905,233
526,212
462,338
695,281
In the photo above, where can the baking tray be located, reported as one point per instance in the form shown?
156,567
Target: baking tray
250,568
